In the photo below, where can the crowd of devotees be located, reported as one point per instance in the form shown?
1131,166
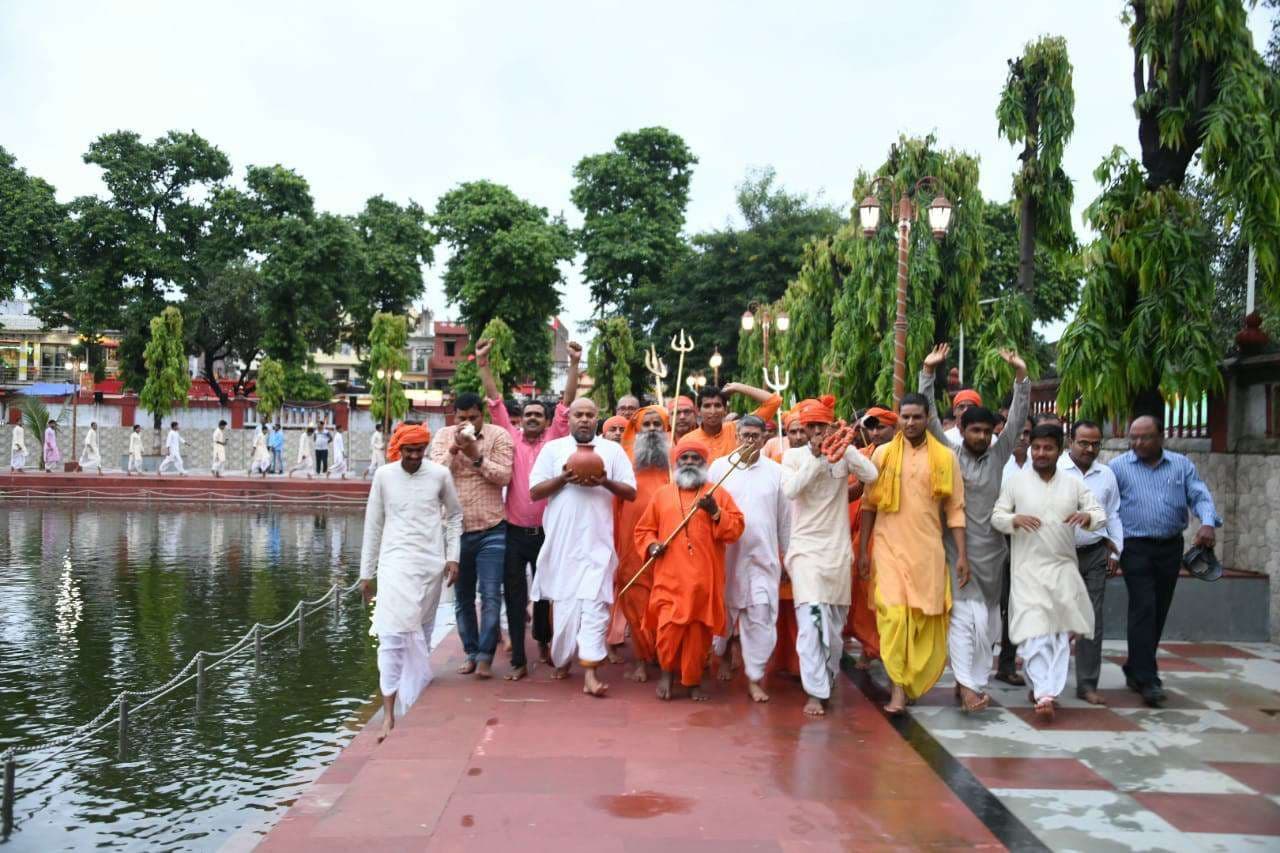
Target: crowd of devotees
773,541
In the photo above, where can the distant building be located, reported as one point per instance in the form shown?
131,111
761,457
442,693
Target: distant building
30,353
451,340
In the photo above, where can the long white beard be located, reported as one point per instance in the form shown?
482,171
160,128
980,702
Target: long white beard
651,449
691,476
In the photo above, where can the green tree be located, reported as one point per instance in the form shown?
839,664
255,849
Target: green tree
501,363
224,322
729,268
165,357
270,388
805,350
125,253
30,219
395,245
505,263
306,385
388,337
609,362
943,278
1145,325
633,202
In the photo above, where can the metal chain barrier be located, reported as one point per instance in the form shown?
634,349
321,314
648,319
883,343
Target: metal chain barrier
131,701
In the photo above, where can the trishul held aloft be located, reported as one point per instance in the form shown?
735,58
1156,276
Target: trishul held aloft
742,457
777,383
682,344
658,369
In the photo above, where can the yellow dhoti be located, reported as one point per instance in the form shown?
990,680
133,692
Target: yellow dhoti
913,645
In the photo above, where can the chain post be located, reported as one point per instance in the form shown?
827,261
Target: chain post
199,682
337,603
123,748
302,626
10,786
257,646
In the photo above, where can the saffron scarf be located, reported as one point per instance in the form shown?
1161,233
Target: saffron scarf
886,492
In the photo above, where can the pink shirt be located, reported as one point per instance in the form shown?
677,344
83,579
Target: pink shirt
521,511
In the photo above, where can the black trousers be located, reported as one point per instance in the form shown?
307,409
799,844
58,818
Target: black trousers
1150,569
523,545
322,461
1008,662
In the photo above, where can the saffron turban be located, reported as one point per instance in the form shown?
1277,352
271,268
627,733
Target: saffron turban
884,416
633,427
615,421
410,435
693,445
819,411
968,395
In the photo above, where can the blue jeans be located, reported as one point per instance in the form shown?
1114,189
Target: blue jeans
483,556
277,460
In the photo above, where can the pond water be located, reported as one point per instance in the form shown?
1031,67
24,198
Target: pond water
96,599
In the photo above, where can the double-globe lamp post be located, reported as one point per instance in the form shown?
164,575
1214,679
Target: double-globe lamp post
715,361
79,367
386,377
939,222
767,320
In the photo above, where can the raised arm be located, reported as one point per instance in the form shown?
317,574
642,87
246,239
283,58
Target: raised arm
769,402
571,378
935,357
799,470
491,389
1018,409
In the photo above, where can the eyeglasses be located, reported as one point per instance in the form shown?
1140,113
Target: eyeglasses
1095,445
1143,439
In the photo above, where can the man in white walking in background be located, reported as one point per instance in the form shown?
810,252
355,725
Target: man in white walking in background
339,447
219,459
173,452
412,542
91,456
18,449
135,451
377,450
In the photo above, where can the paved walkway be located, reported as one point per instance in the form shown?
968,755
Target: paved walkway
537,765
197,487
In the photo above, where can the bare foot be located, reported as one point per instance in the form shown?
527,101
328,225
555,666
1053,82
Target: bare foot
664,686
615,656
1044,709
593,686
467,668
973,701
516,674
757,692
724,670
697,694
813,708
484,669
387,725
897,701
639,675
1093,697
560,673
544,653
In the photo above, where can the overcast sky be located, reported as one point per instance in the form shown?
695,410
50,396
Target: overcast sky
408,99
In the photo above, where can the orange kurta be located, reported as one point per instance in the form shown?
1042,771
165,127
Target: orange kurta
688,580
861,624
633,605
726,441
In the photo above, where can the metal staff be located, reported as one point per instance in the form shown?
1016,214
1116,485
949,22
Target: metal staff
740,458
658,369
777,384
682,344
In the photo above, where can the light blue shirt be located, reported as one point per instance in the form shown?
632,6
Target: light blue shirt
1101,481
1154,500
275,440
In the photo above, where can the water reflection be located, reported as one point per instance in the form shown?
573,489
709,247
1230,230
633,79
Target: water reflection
96,599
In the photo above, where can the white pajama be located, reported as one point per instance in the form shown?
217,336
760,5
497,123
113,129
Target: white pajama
757,631
580,625
973,631
219,459
17,460
819,645
174,460
1046,658
404,667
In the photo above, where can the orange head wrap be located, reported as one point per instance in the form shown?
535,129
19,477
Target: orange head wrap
407,434
968,395
819,411
614,421
633,427
693,445
884,416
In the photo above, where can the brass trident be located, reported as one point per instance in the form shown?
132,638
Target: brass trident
777,383
658,368
682,344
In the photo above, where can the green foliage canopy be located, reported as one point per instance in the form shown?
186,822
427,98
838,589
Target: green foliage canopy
166,362
388,338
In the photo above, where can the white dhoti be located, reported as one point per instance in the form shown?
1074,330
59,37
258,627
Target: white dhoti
1046,659
579,625
404,668
17,460
819,645
219,458
173,460
135,461
973,631
756,628
89,458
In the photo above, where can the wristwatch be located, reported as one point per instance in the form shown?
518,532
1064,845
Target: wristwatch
478,461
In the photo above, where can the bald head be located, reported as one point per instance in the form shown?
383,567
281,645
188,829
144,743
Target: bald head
583,414
627,406
1146,438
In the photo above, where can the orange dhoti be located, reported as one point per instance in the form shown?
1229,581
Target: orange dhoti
683,649
861,624
630,608
785,658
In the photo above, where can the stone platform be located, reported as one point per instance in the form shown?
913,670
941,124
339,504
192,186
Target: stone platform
194,489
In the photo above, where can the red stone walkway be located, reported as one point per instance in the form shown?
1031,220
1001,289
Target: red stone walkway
194,489
537,766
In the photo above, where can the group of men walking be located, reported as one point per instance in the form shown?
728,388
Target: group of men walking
696,533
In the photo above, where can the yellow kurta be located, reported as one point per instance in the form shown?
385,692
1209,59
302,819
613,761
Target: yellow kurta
913,591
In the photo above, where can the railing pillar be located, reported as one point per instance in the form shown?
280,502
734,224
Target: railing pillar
122,750
302,626
10,787
337,603
257,646
199,681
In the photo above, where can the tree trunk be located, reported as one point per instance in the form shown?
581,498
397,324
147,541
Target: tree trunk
1027,247
211,381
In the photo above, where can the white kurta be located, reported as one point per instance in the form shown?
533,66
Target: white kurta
91,456
173,451
18,448
412,527
753,564
577,560
1046,593
135,451
820,555
219,458
261,453
306,448
339,448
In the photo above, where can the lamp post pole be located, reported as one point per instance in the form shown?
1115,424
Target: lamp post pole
939,221
77,368
387,376
767,319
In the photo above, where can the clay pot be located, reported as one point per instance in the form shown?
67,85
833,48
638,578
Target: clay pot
585,463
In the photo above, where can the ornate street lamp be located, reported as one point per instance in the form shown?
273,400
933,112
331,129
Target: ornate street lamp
939,212
715,361
77,367
780,321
